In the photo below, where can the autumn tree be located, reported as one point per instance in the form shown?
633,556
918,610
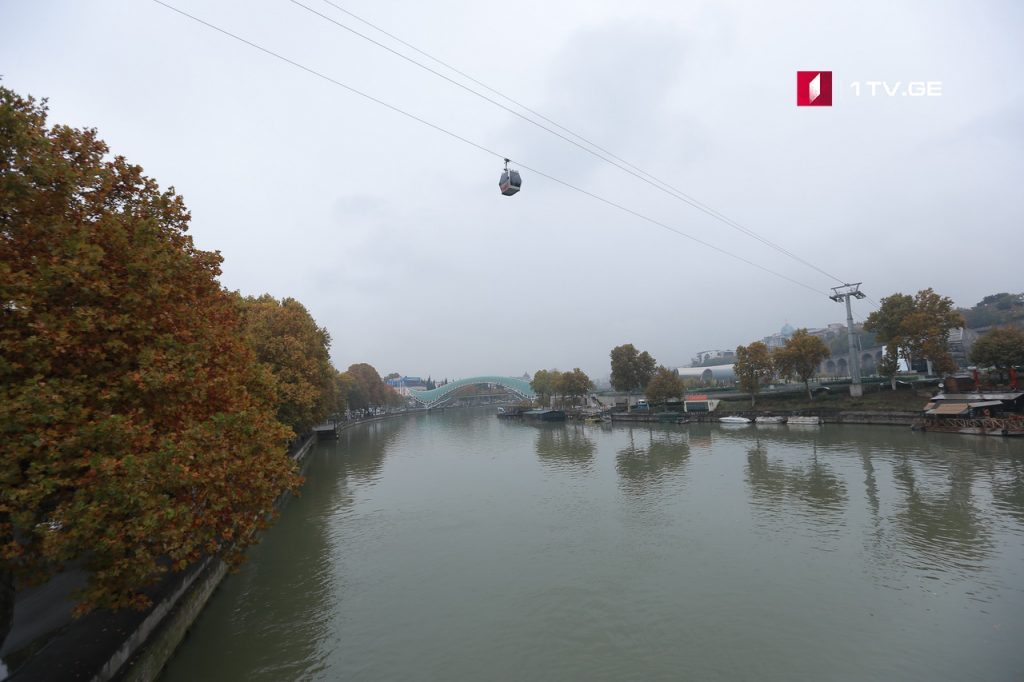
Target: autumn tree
665,384
800,357
139,429
367,389
575,384
917,326
545,384
287,339
889,365
631,369
754,366
1001,347
343,384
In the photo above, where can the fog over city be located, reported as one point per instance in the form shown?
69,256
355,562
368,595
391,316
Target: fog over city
396,237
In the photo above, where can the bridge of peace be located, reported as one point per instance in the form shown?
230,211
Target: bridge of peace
437,397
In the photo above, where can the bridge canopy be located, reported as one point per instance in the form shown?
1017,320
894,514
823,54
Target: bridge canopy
436,396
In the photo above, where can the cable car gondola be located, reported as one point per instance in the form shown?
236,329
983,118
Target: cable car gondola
510,181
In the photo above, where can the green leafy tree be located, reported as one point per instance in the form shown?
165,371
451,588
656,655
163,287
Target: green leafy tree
754,366
575,384
139,430
631,369
545,384
287,339
1002,348
800,357
664,385
368,389
995,309
889,366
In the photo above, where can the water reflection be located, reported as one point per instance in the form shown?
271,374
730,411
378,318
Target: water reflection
437,546
1008,489
650,457
564,446
937,518
362,448
811,489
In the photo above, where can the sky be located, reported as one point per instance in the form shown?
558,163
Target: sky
396,238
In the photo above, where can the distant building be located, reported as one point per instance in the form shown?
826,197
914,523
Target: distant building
710,357
404,384
708,375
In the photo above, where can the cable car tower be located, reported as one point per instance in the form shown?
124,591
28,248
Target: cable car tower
839,296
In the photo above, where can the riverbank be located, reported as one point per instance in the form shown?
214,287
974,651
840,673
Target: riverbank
47,644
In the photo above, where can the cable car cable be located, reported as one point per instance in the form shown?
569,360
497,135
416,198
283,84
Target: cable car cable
485,149
618,162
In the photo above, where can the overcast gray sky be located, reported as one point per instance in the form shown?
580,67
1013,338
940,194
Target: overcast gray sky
396,237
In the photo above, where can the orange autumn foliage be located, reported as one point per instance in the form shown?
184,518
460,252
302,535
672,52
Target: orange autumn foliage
138,429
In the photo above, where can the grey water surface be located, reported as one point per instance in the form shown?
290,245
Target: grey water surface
456,546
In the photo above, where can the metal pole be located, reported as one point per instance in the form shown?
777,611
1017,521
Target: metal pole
855,388
852,291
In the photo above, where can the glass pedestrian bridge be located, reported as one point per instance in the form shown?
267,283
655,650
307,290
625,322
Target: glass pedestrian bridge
442,394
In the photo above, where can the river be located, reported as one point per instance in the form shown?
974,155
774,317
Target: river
456,546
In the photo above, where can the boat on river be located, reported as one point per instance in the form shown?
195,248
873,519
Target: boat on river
804,421
770,420
734,420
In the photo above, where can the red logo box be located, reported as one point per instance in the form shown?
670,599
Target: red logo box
814,88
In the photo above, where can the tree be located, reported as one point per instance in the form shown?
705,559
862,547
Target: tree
917,326
545,384
665,384
994,309
1002,348
631,369
287,339
393,375
889,366
575,384
800,357
887,324
138,426
753,367
344,384
368,390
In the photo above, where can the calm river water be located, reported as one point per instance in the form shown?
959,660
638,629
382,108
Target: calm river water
455,546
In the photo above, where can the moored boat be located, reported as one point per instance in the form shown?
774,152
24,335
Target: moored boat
734,420
770,420
804,421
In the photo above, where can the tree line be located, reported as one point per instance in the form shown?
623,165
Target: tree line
145,410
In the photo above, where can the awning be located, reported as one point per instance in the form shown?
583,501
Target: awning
987,403
954,408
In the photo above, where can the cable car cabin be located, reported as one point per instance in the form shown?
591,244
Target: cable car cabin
510,182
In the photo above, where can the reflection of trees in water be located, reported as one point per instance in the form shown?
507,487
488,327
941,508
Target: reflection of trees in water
941,524
363,447
1008,489
650,457
560,444
813,485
